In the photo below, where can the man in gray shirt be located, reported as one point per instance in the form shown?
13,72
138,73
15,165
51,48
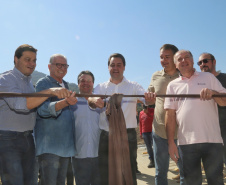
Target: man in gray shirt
17,151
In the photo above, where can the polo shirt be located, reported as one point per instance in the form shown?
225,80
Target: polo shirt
197,120
159,82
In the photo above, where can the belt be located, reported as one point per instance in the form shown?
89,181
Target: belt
25,133
128,130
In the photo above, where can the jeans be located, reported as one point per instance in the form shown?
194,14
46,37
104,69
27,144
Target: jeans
17,156
53,169
70,176
36,172
86,171
211,154
223,135
161,157
103,155
147,136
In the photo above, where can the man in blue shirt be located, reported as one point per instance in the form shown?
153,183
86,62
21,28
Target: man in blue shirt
87,134
17,151
54,130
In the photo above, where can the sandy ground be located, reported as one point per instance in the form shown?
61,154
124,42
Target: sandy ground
147,175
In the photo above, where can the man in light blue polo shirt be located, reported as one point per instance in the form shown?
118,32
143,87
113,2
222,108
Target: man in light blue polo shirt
87,134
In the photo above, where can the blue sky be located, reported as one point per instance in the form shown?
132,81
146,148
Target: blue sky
88,31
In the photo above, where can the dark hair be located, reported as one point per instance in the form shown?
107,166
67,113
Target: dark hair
25,47
211,56
85,73
117,55
171,47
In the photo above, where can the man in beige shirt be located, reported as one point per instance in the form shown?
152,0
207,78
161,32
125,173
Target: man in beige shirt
158,85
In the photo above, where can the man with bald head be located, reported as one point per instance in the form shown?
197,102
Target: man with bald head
199,137
54,129
207,63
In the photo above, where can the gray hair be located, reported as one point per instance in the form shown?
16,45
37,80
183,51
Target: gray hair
54,56
180,51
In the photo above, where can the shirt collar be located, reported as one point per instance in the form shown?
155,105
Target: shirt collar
124,80
21,75
163,73
55,81
195,74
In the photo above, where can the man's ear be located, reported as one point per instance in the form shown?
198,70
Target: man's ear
214,62
15,60
49,66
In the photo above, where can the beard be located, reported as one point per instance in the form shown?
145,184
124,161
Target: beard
206,69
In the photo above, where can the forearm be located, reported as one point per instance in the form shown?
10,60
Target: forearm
219,100
33,102
170,124
61,104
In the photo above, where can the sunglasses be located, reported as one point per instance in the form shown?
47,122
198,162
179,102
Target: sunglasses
204,61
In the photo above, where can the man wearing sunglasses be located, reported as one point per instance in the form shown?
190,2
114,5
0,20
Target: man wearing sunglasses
54,130
207,63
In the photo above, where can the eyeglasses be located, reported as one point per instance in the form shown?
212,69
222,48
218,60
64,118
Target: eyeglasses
204,61
59,66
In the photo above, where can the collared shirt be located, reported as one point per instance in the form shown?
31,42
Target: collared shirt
128,103
54,131
159,82
13,111
197,120
87,131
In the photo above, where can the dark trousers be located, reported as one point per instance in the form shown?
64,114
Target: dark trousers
103,155
86,171
211,154
223,135
70,176
17,156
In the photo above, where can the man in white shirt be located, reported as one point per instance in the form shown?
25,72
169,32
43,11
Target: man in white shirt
118,84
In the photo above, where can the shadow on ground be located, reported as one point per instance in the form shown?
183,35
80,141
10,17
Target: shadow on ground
148,179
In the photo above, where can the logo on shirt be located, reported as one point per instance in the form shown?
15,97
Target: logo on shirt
202,83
